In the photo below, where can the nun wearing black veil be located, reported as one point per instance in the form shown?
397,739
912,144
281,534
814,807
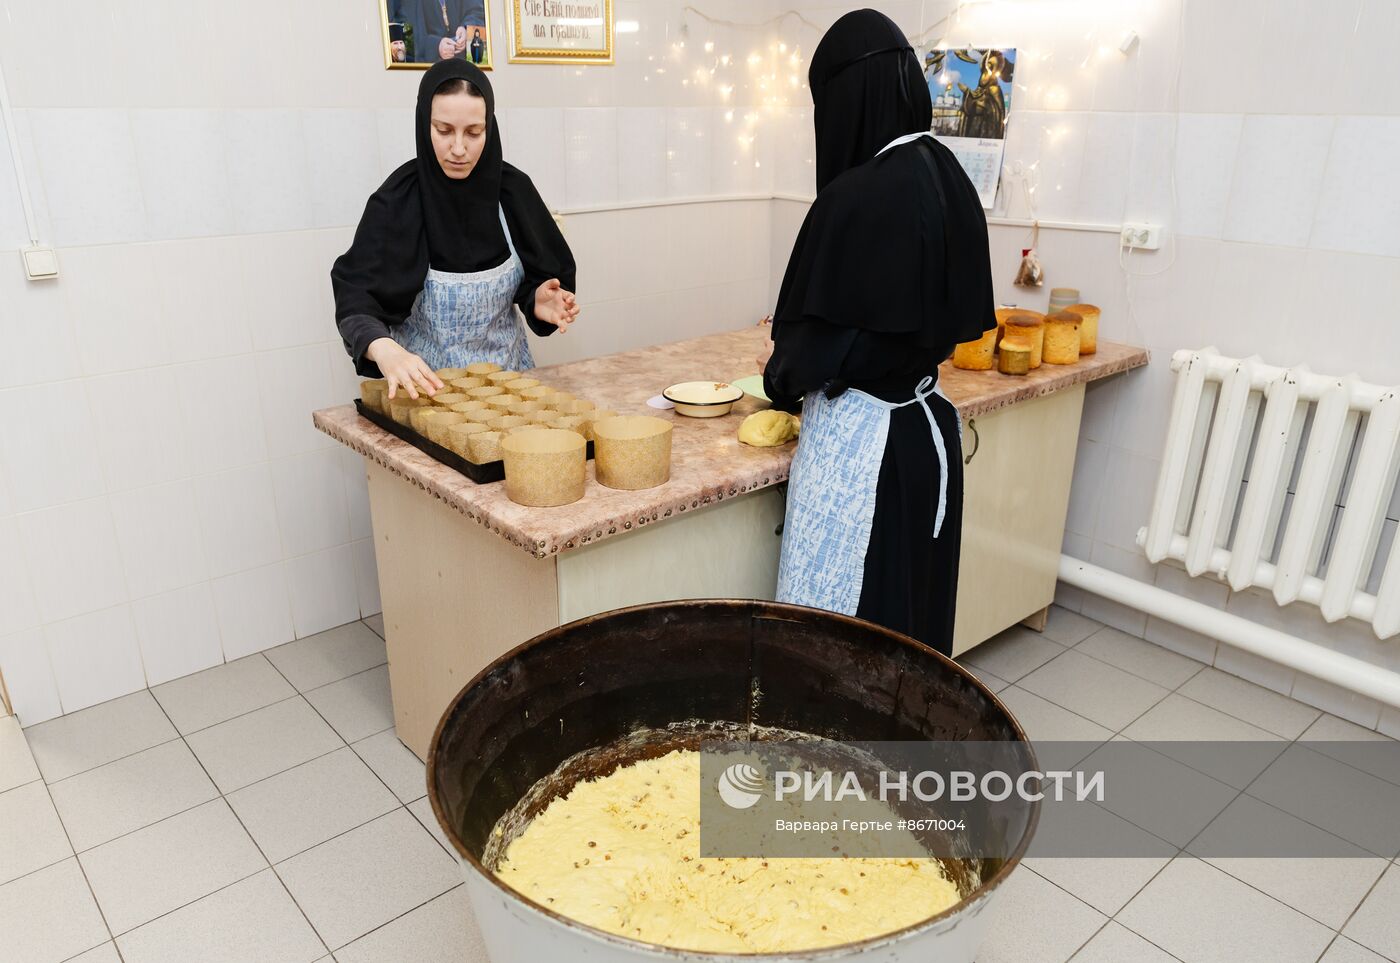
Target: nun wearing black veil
454,251
890,271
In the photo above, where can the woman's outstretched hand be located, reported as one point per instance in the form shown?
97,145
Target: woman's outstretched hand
555,306
767,352
403,369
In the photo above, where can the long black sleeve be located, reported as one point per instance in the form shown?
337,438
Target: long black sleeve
807,357
377,279
540,244
359,332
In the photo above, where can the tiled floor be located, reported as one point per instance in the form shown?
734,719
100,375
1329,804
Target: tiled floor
264,812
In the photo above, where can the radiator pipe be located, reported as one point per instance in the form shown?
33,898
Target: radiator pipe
1315,660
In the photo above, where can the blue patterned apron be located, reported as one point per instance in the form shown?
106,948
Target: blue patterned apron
831,494
458,319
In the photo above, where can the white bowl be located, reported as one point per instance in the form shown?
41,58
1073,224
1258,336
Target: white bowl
703,399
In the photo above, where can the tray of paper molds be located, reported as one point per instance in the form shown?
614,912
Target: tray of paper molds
463,425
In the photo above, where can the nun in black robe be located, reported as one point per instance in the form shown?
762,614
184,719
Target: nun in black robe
447,267
890,270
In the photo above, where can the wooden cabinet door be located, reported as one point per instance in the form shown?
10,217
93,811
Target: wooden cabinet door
1016,495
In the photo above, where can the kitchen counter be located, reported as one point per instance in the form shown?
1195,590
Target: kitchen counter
708,464
465,575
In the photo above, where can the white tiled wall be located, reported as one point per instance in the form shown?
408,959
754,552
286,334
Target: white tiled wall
165,504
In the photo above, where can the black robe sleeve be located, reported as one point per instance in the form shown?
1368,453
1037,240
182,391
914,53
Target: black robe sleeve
808,357
538,241
376,280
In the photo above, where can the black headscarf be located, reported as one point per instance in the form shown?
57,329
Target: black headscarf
867,89
895,243
447,203
420,217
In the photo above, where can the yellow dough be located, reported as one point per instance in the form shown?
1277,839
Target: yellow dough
622,854
768,429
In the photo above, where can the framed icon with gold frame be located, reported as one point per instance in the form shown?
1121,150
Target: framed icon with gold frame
419,33
561,31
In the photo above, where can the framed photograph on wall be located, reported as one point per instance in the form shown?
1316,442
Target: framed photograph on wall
561,31
419,33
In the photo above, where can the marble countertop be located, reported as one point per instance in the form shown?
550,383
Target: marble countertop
708,464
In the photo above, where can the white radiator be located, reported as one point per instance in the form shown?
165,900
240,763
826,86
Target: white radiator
1280,478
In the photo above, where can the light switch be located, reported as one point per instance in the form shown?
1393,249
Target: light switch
40,263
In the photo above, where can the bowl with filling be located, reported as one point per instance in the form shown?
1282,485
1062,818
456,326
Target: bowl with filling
703,399
570,777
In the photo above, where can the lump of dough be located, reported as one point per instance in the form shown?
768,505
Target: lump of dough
768,429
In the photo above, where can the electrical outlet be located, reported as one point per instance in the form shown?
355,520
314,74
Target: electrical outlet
1142,237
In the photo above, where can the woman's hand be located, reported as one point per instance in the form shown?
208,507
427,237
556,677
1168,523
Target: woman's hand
555,306
403,369
762,359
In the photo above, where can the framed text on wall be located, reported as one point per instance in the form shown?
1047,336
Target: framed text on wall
561,31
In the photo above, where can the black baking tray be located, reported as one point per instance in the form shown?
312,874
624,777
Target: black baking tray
483,474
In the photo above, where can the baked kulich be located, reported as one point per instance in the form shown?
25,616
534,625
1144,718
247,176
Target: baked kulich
1002,315
1014,358
1088,327
976,355
466,384
447,375
1028,327
481,369
1062,338
446,399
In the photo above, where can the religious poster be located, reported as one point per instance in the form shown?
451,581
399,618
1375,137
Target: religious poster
419,33
971,91
561,31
